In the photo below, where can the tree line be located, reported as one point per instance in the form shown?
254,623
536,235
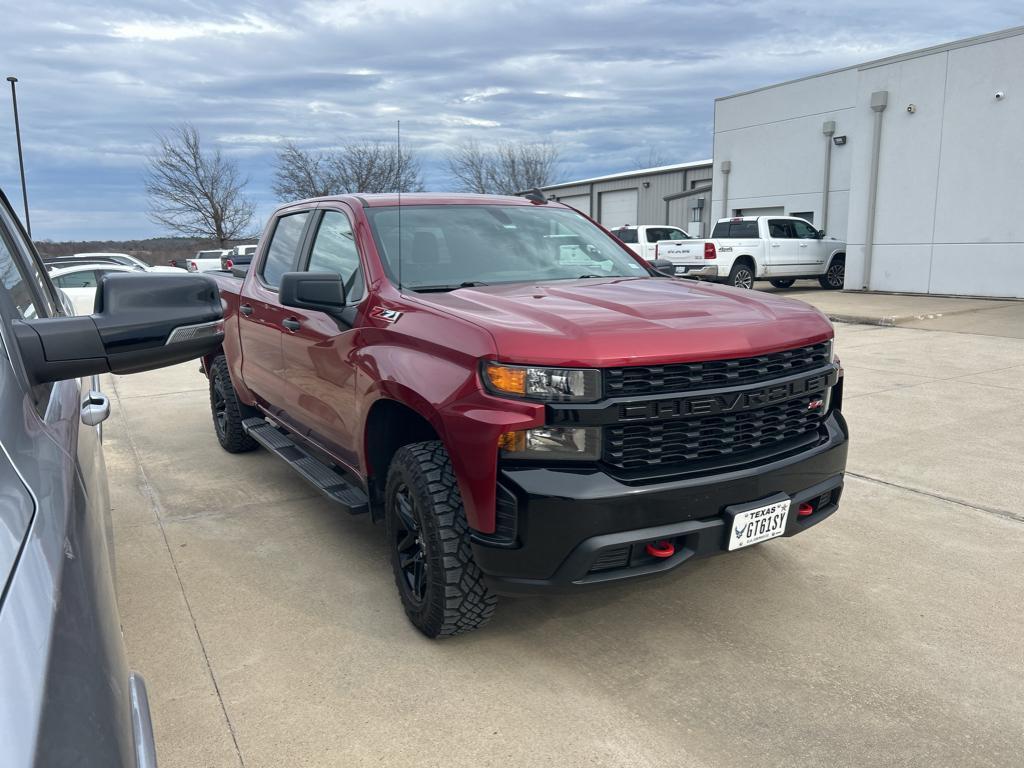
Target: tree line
195,191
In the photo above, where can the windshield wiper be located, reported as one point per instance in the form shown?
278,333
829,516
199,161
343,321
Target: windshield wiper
443,288
584,277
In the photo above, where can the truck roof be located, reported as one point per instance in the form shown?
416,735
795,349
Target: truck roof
423,198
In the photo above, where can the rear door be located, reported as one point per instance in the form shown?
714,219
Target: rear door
318,348
783,252
260,316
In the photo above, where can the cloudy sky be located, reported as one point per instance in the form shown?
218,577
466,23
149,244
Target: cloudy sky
610,82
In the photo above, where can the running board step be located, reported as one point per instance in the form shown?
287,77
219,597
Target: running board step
331,483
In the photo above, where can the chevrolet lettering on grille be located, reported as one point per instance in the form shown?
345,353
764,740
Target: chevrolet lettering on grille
724,402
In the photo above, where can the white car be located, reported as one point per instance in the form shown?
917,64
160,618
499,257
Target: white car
123,258
205,261
780,249
79,282
644,239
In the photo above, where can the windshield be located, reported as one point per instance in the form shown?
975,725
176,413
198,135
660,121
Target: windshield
450,246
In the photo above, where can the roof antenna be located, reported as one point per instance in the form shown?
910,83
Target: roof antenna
398,133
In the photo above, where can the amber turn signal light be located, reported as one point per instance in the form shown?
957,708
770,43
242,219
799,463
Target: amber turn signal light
507,379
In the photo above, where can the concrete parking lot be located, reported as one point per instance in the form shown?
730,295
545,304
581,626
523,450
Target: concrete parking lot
269,632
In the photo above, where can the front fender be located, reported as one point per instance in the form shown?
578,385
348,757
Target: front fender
446,392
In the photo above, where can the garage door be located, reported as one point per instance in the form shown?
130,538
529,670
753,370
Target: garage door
619,208
579,202
773,211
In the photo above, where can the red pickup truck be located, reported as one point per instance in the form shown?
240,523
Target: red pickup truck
524,402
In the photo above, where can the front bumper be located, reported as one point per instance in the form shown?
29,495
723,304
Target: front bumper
582,527
697,270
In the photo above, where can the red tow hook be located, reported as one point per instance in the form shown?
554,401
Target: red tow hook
661,549
805,510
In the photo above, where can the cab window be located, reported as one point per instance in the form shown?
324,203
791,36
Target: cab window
334,250
84,279
781,229
284,247
804,231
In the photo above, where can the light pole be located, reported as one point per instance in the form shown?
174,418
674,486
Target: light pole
21,158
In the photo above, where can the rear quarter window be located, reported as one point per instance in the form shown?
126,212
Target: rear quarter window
735,229
625,235
283,251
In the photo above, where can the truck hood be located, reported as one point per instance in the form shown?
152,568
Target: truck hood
631,321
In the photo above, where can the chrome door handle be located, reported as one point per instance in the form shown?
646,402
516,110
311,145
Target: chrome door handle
803,245
245,309
776,245
291,324
95,409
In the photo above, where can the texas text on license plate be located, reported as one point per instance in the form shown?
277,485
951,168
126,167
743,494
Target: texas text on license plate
756,525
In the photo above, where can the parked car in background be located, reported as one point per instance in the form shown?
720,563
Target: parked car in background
239,256
523,401
644,239
780,249
79,282
124,259
67,697
205,261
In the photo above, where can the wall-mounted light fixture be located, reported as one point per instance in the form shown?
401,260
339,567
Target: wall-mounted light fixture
647,184
839,140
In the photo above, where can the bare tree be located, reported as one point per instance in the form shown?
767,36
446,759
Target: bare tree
653,159
301,174
361,167
196,193
504,169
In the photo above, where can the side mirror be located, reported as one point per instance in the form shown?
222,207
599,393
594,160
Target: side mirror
322,291
664,266
821,234
141,321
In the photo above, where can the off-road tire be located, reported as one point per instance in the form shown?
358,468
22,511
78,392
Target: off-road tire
835,277
455,598
741,275
228,411
783,283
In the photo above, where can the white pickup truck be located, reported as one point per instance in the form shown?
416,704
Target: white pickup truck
645,239
780,249
205,261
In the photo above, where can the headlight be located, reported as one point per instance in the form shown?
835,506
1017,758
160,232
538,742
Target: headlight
556,385
553,443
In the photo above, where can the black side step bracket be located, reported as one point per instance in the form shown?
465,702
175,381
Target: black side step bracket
330,482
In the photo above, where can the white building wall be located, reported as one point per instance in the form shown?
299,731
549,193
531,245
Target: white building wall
949,215
774,141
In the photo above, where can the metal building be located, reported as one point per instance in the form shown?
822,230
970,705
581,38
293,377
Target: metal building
679,195
916,160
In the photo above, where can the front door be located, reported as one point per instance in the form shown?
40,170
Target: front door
812,251
318,348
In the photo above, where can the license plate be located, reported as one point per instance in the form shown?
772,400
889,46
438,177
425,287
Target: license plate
757,525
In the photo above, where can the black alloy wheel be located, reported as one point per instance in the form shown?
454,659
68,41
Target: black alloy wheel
412,554
228,411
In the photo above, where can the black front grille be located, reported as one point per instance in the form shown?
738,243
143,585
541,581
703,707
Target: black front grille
686,377
706,439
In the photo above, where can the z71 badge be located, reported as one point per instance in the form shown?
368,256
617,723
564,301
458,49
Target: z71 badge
385,314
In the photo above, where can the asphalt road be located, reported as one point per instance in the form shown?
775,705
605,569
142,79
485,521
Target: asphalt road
268,629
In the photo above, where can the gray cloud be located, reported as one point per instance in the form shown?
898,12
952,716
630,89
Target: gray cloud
607,80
